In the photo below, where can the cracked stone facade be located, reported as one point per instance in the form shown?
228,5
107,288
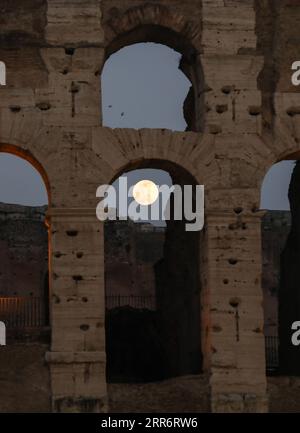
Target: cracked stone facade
244,117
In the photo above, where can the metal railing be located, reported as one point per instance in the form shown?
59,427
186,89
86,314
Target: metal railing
22,312
29,312
133,301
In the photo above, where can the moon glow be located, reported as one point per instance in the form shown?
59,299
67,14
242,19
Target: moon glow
145,192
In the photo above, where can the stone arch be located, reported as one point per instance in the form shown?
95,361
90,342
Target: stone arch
284,142
114,150
27,241
290,155
158,24
193,258
149,15
272,152
24,153
163,164
28,156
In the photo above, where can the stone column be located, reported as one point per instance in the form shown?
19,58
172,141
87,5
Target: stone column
77,357
235,352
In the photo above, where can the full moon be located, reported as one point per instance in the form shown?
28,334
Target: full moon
145,192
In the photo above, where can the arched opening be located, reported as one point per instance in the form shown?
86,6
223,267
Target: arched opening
24,285
152,78
276,224
153,322
280,281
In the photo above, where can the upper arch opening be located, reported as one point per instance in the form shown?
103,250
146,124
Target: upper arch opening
136,80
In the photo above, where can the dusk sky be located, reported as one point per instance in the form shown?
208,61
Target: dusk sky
142,88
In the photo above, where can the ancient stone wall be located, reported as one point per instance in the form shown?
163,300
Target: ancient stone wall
50,114
131,251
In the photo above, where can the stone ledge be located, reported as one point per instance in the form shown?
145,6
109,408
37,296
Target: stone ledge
65,214
80,405
228,214
239,403
75,357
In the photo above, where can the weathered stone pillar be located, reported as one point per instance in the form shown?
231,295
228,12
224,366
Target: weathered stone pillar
77,356
234,339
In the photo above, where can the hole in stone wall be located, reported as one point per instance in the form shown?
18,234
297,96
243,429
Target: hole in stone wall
69,51
232,261
15,108
72,233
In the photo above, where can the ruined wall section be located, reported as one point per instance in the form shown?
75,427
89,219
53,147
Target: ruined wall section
131,251
50,112
23,251
22,33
